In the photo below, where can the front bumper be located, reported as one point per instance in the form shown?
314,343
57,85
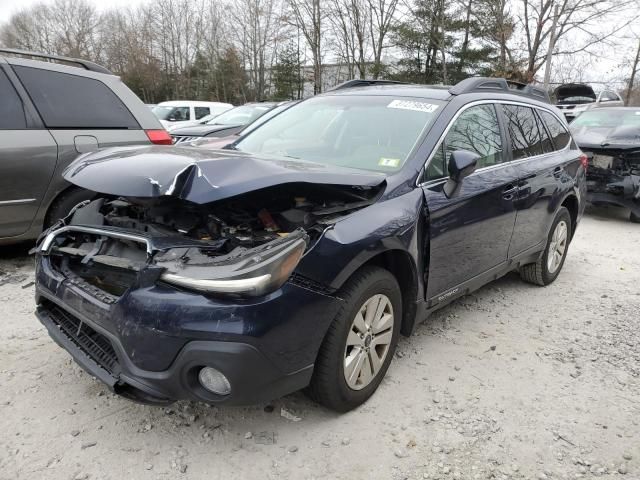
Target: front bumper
150,344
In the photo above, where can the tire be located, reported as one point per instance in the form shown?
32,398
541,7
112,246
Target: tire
544,271
329,385
634,218
62,205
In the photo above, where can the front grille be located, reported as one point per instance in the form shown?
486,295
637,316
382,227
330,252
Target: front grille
183,139
91,342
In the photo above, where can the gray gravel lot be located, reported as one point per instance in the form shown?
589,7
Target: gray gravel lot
514,381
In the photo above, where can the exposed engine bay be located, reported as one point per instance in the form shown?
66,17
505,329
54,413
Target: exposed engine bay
249,243
614,172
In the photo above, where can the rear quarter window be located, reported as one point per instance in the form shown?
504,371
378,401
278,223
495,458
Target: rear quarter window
559,134
11,109
71,101
526,138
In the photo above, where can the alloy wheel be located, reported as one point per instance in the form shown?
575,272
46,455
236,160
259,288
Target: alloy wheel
557,247
368,341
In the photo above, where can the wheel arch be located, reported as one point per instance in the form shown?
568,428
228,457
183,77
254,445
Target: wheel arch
571,203
403,267
68,190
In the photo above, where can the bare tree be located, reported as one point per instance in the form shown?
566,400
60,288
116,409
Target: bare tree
256,35
632,77
350,20
308,17
382,20
583,20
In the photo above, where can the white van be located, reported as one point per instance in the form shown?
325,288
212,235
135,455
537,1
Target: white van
179,112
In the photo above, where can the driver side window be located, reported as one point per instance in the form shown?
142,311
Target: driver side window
476,130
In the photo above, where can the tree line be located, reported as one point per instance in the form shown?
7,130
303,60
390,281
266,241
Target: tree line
251,50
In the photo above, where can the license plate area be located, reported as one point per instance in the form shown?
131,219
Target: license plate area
602,161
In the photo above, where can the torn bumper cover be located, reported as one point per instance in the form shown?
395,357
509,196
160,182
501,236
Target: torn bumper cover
146,327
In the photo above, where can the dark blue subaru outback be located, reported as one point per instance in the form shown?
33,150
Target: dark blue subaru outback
296,256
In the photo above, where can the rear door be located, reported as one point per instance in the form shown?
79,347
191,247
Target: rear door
469,233
28,156
541,155
82,113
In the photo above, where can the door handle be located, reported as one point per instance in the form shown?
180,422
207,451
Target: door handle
557,172
509,192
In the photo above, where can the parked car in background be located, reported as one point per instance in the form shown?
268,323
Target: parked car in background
574,98
228,123
52,110
221,142
298,257
610,137
180,112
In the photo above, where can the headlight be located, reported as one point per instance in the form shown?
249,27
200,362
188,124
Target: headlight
250,272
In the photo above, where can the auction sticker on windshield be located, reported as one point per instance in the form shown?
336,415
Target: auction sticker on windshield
413,105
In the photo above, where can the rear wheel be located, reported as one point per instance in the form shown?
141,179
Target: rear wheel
634,217
548,266
360,342
65,202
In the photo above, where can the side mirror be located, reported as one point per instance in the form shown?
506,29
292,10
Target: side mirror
462,163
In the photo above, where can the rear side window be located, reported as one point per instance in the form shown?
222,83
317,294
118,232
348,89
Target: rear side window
11,109
476,130
558,133
547,144
526,138
71,101
201,112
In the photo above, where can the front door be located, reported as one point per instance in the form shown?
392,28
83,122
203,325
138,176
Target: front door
27,161
469,233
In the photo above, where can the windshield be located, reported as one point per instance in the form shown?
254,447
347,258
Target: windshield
601,118
172,114
264,118
240,115
367,132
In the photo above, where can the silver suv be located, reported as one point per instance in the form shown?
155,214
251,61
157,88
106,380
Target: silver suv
52,110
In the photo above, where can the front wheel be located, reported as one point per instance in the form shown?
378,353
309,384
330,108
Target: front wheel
360,342
548,266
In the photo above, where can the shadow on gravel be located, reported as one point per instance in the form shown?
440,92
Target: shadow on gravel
19,251
608,214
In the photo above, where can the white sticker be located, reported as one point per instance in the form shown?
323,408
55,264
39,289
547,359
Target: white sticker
412,105
389,162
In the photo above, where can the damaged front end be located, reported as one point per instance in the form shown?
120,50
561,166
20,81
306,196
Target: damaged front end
244,246
613,177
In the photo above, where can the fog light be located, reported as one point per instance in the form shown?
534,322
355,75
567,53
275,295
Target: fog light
214,381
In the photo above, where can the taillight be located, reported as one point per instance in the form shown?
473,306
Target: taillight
159,137
584,160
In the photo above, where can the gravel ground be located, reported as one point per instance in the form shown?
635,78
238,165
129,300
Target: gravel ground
514,381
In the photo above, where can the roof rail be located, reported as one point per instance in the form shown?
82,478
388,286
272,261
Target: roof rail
87,65
364,83
486,84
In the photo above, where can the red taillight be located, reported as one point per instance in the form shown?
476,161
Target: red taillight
584,160
159,137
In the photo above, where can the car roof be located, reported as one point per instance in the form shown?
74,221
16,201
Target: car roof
473,88
436,92
191,103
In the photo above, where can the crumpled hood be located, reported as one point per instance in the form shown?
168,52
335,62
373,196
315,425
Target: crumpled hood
199,175
200,130
605,136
